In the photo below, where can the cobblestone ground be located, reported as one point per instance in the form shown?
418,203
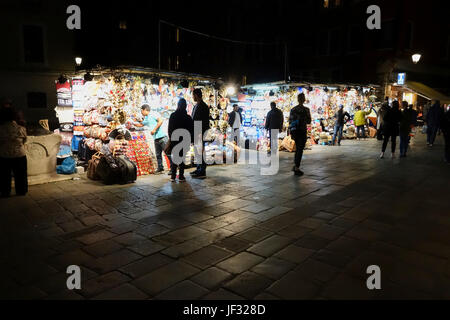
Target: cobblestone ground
240,235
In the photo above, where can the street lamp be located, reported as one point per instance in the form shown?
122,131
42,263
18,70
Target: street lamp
416,58
78,61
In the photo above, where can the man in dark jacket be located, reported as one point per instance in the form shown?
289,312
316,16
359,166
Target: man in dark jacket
179,120
299,119
341,118
274,121
434,118
405,128
200,115
391,128
235,122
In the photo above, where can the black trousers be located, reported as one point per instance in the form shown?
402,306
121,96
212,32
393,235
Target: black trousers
300,143
17,166
393,139
160,145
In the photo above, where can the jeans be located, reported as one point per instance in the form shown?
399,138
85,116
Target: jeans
160,145
404,143
338,129
18,166
360,129
393,142
275,139
174,168
237,135
431,134
300,143
201,167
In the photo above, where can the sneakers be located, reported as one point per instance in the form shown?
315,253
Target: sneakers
173,179
159,171
199,176
299,173
181,179
382,155
194,173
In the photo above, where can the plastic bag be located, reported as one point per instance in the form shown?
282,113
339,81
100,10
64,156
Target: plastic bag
67,167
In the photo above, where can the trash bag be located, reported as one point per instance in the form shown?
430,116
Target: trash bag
67,167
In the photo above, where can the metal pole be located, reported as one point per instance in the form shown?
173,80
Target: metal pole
159,44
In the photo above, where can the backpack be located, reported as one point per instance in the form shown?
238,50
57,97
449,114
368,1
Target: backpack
298,120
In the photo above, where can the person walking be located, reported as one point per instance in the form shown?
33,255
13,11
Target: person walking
153,122
235,121
445,125
200,114
391,128
405,128
12,154
274,121
341,118
360,122
434,117
179,120
299,119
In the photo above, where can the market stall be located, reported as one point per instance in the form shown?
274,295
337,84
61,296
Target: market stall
91,105
322,100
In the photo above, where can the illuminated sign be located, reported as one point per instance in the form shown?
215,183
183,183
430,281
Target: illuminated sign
401,78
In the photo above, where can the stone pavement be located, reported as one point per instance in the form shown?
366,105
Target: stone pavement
240,235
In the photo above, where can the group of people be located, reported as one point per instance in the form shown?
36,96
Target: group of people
342,117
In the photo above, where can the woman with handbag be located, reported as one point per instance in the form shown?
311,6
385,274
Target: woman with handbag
179,120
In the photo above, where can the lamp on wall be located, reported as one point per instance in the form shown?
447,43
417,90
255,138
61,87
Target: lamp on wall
78,61
416,58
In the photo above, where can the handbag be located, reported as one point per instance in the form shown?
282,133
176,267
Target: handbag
92,166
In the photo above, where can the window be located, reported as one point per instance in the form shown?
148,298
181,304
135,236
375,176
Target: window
123,25
33,44
37,100
386,35
355,39
326,3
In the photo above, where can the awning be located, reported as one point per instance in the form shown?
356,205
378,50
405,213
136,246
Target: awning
427,92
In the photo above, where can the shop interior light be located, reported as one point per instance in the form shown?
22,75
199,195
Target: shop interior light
231,90
416,58
78,61
265,87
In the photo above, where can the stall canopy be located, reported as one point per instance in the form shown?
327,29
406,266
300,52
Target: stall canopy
427,92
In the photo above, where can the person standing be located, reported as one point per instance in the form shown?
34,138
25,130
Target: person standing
434,117
235,122
12,154
299,119
274,121
381,113
179,120
445,125
360,122
405,128
153,122
200,115
391,128
341,118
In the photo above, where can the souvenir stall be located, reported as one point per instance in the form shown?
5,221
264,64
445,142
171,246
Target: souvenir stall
323,102
100,101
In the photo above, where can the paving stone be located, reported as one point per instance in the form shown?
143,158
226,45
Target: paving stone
211,278
224,295
240,263
152,230
123,292
254,235
186,248
270,246
343,223
165,277
146,265
338,260
248,284
256,208
313,242
362,233
186,290
312,223
234,244
273,268
294,254
102,283
102,248
302,290
241,225
74,257
113,261
129,239
328,232
347,246
208,257
316,270
95,237
324,216
294,232
146,247
212,225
